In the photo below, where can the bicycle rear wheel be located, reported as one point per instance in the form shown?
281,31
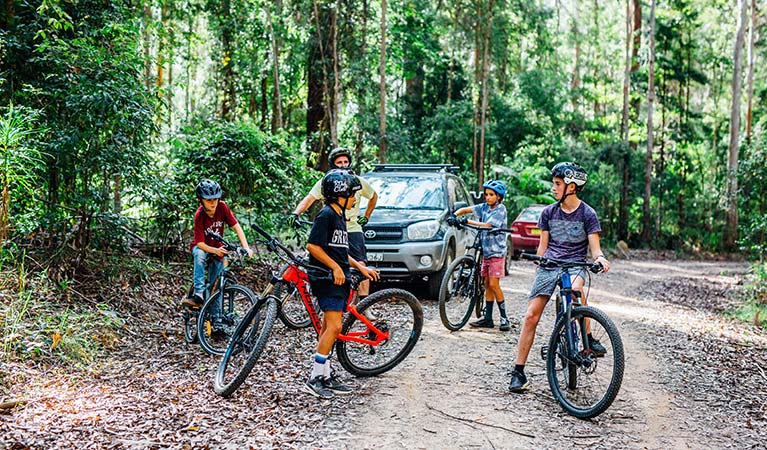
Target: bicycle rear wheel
393,310
217,323
190,326
245,346
457,295
291,310
585,384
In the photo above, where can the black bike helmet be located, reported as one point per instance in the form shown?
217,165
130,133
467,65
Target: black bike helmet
335,153
339,183
208,189
570,172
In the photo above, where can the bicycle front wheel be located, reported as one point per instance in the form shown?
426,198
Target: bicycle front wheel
291,311
393,310
245,346
457,295
585,383
220,315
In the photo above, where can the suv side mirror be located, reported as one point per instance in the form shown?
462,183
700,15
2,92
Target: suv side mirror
459,205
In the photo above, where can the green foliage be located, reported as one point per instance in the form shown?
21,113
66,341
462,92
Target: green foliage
259,173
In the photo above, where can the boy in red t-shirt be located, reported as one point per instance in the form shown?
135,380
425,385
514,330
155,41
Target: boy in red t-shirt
210,216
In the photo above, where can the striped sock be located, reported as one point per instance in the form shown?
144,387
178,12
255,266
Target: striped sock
502,308
319,365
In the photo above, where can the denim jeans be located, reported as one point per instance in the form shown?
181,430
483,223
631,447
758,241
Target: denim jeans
200,258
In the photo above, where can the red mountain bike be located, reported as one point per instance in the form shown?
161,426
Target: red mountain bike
376,335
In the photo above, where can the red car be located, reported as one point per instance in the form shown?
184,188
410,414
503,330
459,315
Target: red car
525,232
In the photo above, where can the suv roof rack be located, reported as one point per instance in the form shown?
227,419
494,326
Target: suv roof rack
415,168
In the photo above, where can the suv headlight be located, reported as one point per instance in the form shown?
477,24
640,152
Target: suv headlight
423,230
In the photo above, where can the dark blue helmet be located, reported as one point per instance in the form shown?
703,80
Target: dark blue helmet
208,189
496,185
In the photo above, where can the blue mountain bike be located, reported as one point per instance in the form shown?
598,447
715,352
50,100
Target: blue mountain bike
584,381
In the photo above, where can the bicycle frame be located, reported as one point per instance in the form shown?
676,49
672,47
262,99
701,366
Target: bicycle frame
297,276
565,305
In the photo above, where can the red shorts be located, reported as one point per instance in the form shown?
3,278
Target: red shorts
493,267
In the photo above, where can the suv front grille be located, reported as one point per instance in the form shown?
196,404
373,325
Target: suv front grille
382,234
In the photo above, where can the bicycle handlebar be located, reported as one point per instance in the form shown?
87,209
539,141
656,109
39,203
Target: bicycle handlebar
227,246
486,229
552,262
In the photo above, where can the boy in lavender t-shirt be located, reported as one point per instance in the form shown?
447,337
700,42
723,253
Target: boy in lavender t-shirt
569,228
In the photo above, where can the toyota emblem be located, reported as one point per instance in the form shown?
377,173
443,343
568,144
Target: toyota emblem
370,234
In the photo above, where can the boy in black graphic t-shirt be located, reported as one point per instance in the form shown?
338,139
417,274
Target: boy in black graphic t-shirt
329,247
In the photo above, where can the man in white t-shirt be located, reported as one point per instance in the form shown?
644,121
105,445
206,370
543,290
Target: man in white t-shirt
341,158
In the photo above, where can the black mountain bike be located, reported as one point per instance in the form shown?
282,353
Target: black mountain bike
463,287
225,303
583,382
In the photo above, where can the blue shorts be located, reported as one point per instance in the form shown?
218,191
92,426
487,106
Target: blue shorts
332,304
546,281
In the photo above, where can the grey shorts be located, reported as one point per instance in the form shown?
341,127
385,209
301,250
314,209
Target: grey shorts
357,248
546,281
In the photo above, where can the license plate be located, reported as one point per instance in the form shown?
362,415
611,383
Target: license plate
375,257
535,231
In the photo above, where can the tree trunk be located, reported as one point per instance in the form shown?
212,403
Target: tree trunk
483,119
315,100
147,39
751,65
626,76
276,98
229,105
626,152
575,83
382,75
264,101
648,158
475,105
731,231
336,81
636,8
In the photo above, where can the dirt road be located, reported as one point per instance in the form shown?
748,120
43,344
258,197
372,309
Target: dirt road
452,391
694,379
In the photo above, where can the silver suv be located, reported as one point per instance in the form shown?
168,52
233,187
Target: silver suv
407,237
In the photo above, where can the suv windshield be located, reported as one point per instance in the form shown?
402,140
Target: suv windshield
407,192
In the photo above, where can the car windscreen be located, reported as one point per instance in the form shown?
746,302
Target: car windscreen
403,192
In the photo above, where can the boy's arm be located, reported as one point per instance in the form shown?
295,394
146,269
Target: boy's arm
372,201
218,251
242,238
369,273
543,244
462,211
319,254
596,252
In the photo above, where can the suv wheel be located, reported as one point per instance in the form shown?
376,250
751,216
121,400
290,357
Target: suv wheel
435,279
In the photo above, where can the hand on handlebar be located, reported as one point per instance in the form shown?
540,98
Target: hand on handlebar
220,251
604,263
370,274
294,221
362,220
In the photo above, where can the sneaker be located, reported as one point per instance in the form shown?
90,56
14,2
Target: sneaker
334,385
597,346
482,323
316,387
518,382
505,325
194,302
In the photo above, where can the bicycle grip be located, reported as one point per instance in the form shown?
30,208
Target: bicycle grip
597,267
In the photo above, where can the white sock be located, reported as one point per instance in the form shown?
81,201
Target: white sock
319,365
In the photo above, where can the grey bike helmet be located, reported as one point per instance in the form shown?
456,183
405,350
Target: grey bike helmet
336,152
